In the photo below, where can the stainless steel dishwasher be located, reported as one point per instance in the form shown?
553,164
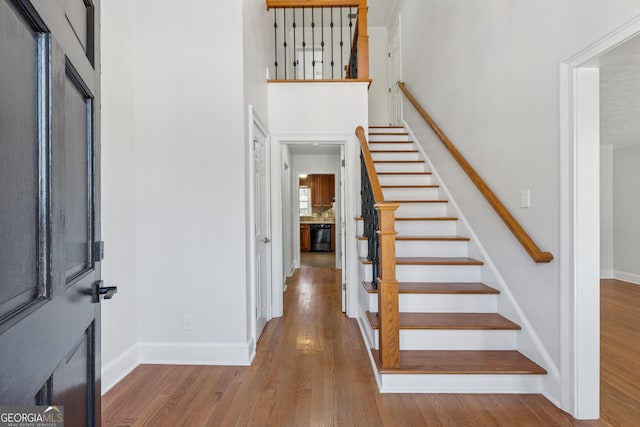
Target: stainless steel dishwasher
320,237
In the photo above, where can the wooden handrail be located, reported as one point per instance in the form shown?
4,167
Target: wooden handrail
512,224
368,161
312,3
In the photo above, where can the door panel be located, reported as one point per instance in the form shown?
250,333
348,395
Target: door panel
19,199
49,191
78,149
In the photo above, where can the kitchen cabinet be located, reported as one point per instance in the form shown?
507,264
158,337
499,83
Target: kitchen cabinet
333,238
322,190
305,237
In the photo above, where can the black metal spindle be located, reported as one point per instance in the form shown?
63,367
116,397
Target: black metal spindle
322,38
313,44
371,226
304,47
275,40
341,45
284,37
332,57
295,56
350,25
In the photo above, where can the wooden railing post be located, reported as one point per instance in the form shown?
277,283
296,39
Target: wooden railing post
388,310
363,41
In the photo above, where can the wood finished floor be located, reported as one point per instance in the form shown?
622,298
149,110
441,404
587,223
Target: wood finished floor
311,369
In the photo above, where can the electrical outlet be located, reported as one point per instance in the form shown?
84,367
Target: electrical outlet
187,322
525,198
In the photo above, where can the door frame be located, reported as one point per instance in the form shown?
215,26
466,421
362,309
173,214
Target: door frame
580,223
351,183
256,123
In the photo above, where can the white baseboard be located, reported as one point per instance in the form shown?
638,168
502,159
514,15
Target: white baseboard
176,353
606,274
626,277
114,371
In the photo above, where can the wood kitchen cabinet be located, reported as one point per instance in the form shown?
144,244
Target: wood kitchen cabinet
322,190
305,237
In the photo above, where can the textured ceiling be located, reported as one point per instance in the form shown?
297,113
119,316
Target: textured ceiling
620,95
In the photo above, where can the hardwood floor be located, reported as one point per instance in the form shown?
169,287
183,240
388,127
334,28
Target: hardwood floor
311,369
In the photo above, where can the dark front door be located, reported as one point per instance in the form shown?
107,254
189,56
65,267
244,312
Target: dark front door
50,206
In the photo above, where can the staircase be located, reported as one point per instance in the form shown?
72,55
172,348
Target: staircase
451,337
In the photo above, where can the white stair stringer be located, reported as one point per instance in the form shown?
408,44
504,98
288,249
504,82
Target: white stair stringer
428,226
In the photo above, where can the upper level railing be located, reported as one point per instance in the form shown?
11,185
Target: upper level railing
379,228
319,40
512,224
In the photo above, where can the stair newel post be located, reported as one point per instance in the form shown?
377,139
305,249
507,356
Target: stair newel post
363,41
388,310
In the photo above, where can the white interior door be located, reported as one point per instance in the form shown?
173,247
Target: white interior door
262,234
395,75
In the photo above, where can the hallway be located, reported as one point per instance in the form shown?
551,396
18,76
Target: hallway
311,370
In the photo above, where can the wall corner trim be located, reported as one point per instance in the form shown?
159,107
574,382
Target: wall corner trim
114,371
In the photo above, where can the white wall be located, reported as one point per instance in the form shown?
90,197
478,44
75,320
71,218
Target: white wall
119,315
488,73
379,71
606,212
626,211
289,207
190,181
333,114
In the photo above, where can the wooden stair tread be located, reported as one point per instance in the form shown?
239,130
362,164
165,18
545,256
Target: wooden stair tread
403,173
390,142
427,238
398,161
410,186
431,261
417,201
386,127
486,362
393,151
430,218
458,321
388,133
438,288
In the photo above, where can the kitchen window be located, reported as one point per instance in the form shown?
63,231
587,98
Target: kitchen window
305,201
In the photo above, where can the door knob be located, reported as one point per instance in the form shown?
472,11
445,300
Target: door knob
106,291
267,240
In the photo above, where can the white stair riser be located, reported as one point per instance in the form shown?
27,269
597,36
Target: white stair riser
387,130
431,273
419,228
405,179
442,303
428,248
395,156
426,228
399,167
447,339
411,193
421,210
391,146
395,137
457,383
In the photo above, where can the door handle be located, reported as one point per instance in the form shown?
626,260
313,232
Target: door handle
267,240
105,291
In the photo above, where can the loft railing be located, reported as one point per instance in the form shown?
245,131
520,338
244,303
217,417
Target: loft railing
319,40
512,224
379,228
